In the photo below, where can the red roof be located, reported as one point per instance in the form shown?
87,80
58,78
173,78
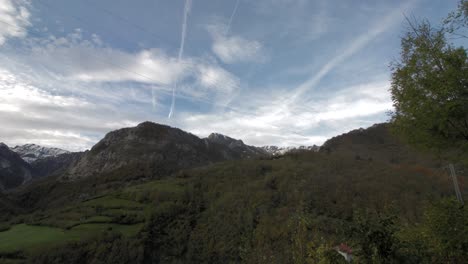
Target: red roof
345,248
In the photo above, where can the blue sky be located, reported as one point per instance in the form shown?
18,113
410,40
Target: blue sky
270,72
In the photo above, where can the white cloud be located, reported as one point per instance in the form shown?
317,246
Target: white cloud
91,61
272,122
14,17
75,59
62,91
71,90
232,49
214,77
30,114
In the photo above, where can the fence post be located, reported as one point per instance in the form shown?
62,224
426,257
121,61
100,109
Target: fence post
455,184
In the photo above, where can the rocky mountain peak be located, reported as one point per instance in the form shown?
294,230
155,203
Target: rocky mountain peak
148,148
225,140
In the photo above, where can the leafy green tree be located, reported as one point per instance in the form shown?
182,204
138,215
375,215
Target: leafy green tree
430,90
445,230
442,237
375,237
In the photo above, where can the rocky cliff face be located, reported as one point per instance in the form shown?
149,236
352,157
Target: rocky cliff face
149,149
14,171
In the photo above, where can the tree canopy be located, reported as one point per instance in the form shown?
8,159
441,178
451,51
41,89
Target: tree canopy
430,88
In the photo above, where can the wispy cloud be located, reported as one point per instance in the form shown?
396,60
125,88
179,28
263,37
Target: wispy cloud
61,90
318,70
356,45
14,18
232,17
77,58
74,59
233,49
295,125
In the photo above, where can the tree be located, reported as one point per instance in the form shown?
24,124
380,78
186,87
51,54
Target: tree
430,90
442,236
374,235
458,20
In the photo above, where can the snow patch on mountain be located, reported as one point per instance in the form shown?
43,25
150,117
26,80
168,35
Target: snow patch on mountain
32,152
275,151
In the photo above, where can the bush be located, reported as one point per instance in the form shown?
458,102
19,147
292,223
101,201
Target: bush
4,227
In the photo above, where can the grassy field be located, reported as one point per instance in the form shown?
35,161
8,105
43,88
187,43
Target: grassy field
73,223
124,212
29,238
21,237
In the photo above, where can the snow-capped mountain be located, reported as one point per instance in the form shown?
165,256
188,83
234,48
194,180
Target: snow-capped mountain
274,150
239,146
32,152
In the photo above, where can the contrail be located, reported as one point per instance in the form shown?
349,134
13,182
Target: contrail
153,101
187,7
232,17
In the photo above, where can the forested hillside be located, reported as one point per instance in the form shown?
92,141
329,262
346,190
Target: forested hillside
288,209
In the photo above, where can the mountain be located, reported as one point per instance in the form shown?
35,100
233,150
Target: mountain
14,171
32,152
275,151
235,146
153,150
377,143
54,165
247,151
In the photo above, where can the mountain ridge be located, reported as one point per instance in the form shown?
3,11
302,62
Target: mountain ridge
154,149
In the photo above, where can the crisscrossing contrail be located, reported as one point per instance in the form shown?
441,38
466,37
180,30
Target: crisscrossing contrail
187,7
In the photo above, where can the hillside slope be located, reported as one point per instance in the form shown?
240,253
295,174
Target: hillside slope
378,143
236,211
55,165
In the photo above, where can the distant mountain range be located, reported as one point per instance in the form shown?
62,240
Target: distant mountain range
148,149
22,164
275,151
155,150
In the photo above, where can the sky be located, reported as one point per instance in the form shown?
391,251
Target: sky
269,72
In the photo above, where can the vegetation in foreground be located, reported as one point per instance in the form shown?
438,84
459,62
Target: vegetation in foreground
289,210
